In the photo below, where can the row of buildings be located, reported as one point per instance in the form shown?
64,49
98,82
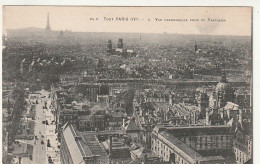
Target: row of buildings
205,132
164,126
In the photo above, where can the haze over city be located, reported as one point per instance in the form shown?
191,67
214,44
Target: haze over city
77,19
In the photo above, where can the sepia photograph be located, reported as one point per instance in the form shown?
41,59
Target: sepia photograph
127,85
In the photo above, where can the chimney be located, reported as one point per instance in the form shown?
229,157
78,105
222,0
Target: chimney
110,146
228,113
170,100
190,121
165,113
207,117
215,104
194,117
240,116
222,113
219,103
145,158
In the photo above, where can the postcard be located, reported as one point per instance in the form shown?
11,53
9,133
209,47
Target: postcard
133,85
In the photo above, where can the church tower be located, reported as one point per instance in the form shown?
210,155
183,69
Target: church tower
195,47
48,28
120,43
109,47
224,92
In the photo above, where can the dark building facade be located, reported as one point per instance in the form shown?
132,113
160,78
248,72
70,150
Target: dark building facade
192,145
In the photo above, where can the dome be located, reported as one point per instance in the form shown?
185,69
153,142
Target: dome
222,87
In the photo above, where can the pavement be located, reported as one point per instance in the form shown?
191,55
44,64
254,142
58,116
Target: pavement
43,132
53,150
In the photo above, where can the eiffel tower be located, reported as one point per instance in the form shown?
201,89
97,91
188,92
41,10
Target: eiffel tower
48,28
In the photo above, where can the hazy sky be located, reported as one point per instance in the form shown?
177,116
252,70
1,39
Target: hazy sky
237,19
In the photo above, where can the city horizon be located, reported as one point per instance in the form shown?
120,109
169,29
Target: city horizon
69,30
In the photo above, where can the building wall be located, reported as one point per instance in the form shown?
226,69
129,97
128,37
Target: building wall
164,151
135,136
163,148
241,156
243,100
70,116
146,137
115,121
208,142
152,99
91,124
243,150
92,92
64,153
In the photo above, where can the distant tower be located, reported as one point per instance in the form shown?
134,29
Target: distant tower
109,47
48,28
61,34
223,78
196,47
120,43
203,102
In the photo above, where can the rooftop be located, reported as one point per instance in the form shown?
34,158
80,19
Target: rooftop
183,147
82,145
193,130
75,147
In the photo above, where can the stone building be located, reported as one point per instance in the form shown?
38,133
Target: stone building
75,149
193,144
